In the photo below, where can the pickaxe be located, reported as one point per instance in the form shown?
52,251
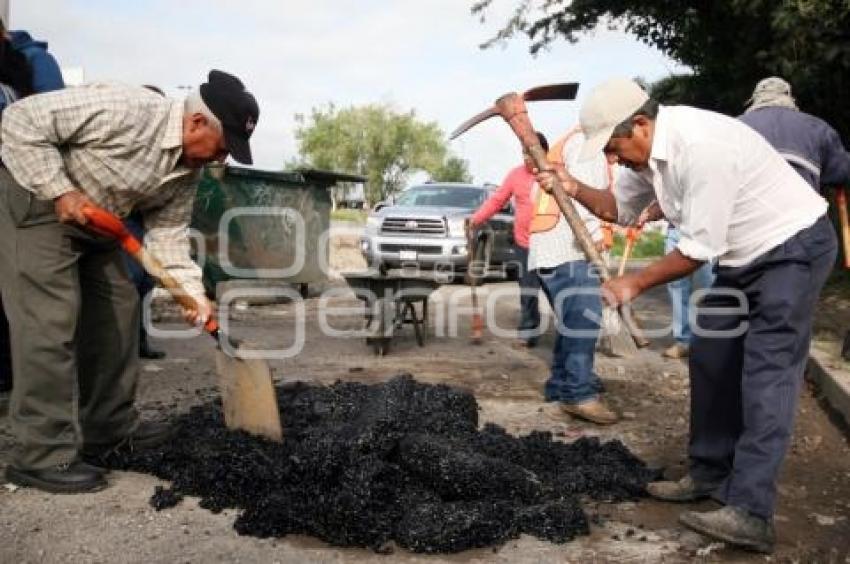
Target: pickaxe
511,107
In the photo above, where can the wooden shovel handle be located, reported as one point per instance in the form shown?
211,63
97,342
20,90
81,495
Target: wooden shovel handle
108,224
841,203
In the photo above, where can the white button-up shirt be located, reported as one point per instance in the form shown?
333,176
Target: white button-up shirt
732,196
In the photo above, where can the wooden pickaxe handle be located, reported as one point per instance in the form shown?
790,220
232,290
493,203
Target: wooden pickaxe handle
841,203
632,234
108,224
471,249
511,107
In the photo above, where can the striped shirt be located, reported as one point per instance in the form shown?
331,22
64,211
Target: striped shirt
119,145
553,248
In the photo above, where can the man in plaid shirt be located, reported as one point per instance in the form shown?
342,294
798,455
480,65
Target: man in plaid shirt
72,308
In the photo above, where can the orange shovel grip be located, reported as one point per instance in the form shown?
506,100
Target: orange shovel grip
108,224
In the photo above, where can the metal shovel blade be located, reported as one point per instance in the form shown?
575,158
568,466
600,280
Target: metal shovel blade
248,396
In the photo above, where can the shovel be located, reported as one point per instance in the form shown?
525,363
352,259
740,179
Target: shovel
247,393
632,234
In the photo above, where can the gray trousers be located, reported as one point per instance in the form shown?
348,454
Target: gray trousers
744,388
73,320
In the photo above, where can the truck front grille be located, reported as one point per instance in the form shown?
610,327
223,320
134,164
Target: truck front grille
414,226
420,249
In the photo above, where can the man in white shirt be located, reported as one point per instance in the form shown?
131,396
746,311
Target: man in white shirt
734,199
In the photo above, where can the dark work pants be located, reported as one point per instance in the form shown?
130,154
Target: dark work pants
72,317
529,307
5,352
745,387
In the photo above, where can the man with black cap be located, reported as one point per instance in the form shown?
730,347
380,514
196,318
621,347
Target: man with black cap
72,307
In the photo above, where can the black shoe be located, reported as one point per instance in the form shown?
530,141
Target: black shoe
75,477
146,352
148,434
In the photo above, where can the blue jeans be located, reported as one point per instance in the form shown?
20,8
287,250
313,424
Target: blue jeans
573,292
680,291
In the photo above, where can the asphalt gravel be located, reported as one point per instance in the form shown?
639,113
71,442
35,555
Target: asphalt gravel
400,463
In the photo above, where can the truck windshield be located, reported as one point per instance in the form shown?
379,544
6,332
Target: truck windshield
442,196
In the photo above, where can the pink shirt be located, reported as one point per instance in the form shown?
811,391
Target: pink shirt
517,183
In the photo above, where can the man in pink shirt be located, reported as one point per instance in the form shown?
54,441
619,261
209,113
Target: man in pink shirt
518,185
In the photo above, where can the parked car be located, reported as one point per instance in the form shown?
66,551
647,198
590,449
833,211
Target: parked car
423,228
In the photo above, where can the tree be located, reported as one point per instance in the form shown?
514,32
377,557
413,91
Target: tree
453,169
375,141
729,44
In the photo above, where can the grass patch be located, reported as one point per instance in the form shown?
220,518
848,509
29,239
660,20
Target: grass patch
354,216
649,244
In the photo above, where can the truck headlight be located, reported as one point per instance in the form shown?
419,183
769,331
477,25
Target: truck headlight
456,226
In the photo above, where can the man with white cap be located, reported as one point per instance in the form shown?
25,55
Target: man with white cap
734,199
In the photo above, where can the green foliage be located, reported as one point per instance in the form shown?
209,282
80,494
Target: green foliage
650,244
372,140
354,216
729,44
453,169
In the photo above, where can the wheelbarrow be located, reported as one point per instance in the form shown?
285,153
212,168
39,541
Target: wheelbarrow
392,301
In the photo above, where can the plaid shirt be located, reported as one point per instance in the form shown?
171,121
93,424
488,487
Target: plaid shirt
120,145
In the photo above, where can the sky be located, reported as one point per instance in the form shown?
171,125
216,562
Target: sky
412,54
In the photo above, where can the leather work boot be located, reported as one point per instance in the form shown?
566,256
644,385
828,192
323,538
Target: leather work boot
733,525
75,477
686,489
679,350
592,410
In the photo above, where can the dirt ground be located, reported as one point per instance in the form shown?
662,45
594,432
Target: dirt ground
118,524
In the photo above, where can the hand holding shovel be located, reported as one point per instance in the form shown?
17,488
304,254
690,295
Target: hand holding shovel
247,392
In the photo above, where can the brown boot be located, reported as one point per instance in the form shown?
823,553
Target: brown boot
679,350
686,489
591,410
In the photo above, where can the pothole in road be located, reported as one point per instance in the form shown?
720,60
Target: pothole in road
401,462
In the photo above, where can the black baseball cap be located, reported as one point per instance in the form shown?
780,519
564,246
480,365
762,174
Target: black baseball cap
235,108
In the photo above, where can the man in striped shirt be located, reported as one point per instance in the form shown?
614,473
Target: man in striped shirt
72,308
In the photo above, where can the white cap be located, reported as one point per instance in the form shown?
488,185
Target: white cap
607,106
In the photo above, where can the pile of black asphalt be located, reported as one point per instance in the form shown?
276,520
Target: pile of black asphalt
401,463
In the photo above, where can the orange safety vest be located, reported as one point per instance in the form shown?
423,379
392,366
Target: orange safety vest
546,210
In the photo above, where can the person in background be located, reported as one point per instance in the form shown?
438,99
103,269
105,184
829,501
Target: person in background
135,223
681,290
517,186
572,287
46,75
809,144
681,297
26,67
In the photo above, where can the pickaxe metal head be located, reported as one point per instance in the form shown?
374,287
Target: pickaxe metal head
565,91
